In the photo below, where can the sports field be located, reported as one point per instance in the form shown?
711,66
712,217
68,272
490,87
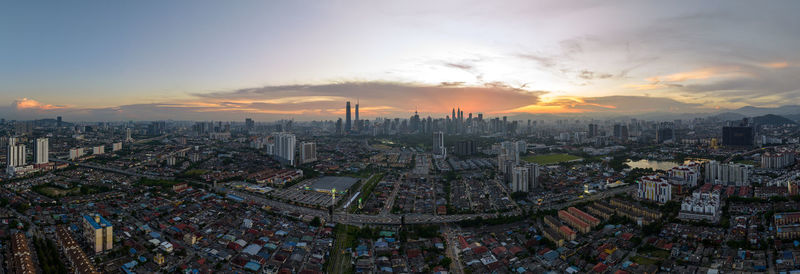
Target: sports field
548,159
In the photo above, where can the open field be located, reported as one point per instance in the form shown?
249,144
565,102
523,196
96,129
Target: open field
547,159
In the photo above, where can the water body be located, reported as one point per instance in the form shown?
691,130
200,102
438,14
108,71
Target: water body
654,164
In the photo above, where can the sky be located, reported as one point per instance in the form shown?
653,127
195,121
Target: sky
218,60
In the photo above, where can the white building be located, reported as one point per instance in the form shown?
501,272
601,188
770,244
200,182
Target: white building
16,153
75,153
285,147
520,179
685,175
116,146
308,152
439,151
778,159
728,174
701,206
98,150
654,188
41,151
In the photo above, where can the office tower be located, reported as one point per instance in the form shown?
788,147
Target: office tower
347,123
249,124
357,126
16,153
617,131
41,151
285,147
58,121
439,150
665,132
520,179
741,135
99,232
339,127
308,152
98,150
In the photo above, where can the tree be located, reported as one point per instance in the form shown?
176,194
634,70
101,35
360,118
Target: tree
316,222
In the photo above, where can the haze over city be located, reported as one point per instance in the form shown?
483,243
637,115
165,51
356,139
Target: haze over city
204,60
311,137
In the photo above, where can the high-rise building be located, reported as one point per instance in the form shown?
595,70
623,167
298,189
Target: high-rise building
654,188
99,232
249,124
357,125
465,148
533,175
737,136
285,147
75,153
41,151
128,137
98,150
347,122
592,130
58,121
438,145
308,152
117,146
728,174
665,132
16,153
520,179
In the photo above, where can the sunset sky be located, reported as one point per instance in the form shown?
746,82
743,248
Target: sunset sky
204,60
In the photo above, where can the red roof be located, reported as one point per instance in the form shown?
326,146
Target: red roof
599,267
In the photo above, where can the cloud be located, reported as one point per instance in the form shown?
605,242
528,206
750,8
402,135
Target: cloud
30,104
609,105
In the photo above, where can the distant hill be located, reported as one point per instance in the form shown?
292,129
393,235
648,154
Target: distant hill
727,116
771,119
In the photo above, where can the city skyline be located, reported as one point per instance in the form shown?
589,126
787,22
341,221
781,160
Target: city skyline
301,61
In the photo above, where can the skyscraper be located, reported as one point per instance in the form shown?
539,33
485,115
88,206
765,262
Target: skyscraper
41,151
347,121
357,126
128,137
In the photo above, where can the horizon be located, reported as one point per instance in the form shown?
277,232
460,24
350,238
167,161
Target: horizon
204,60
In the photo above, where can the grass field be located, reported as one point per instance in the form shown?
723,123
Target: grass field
547,159
50,191
643,261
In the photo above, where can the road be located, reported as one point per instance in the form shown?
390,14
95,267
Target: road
358,219
452,250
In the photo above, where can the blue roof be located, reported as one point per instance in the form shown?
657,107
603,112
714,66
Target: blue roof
96,225
252,266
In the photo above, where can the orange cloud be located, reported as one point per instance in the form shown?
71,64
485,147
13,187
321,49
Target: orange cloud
30,104
561,105
775,65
